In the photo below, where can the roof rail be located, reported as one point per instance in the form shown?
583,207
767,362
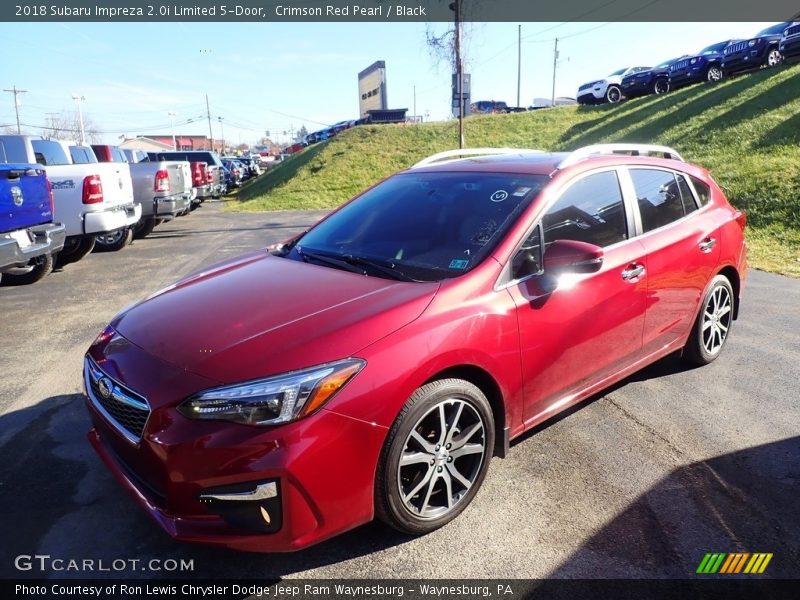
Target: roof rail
633,149
449,155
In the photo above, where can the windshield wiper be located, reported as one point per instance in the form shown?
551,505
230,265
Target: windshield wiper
335,262
386,267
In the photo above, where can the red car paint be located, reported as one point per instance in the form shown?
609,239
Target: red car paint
533,351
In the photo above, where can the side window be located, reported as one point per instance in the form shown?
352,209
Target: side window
703,191
689,203
48,152
658,197
528,259
591,211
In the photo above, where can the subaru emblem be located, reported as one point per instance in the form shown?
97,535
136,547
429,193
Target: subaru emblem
16,195
105,387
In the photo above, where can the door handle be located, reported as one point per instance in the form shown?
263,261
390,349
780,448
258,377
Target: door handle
633,272
707,244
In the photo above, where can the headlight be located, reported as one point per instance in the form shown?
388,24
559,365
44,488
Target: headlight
273,400
752,43
694,60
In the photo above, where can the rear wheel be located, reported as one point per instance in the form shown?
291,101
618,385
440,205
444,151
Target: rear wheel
75,248
435,457
613,94
115,240
35,270
714,73
144,228
713,324
661,85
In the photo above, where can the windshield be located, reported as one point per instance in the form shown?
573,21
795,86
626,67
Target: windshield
426,226
713,49
620,72
773,29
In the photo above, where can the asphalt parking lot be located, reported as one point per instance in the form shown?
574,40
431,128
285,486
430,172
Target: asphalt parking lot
641,481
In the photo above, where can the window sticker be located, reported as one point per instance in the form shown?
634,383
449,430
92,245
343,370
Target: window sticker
459,263
521,191
499,196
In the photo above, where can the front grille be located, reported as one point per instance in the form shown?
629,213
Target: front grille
793,30
734,48
126,410
679,65
585,86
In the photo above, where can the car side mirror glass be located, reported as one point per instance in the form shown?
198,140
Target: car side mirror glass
572,256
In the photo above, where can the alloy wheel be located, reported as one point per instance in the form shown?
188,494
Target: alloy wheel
613,95
661,86
114,237
773,57
441,458
716,320
714,74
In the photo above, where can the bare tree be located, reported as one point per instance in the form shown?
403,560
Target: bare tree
66,125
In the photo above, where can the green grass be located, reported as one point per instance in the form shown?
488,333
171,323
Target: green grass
746,131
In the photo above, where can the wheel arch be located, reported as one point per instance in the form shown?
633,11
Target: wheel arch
733,276
490,388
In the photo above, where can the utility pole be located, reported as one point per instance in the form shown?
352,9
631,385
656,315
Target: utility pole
519,59
222,135
415,104
172,120
16,93
555,62
459,74
78,99
210,132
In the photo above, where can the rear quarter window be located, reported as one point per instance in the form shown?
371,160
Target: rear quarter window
48,152
702,189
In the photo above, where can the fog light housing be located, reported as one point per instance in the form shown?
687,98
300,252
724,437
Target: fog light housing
254,506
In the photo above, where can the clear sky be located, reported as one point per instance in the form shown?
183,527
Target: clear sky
277,77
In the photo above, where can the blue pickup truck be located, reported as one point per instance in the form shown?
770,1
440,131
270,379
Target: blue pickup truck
29,239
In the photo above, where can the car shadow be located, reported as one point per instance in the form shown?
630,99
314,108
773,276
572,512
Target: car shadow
743,501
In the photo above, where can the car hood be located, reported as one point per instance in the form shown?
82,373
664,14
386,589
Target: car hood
259,315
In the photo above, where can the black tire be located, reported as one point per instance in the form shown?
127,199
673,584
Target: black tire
661,86
113,241
144,228
75,248
714,74
712,327
37,269
430,502
613,94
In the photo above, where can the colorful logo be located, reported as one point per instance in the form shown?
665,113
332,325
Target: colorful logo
735,562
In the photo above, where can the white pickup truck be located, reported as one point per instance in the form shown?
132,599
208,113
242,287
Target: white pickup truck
91,199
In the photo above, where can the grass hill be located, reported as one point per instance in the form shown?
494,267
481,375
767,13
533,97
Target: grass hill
746,130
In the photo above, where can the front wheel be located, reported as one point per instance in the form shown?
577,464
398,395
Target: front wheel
435,457
613,94
714,74
144,228
713,324
773,58
661,86
75,248
116,240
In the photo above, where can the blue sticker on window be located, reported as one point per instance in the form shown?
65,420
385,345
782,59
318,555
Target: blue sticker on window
459,263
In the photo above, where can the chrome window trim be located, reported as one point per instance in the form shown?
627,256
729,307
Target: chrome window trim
93,373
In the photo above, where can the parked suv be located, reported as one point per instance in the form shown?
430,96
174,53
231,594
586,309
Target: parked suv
790,42
373,364
650,81
761,50
608,89
703,66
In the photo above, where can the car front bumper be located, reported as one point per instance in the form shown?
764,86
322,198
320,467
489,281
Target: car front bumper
744,60
103,221
17,248
322,468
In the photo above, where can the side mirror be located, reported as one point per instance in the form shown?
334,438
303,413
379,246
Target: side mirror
572,256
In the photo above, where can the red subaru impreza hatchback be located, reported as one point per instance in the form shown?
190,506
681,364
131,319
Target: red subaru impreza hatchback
374,364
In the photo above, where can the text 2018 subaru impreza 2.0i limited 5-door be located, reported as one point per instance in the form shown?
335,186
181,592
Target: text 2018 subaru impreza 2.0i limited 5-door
374,364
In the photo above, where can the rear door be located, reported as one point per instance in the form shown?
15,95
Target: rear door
682,243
